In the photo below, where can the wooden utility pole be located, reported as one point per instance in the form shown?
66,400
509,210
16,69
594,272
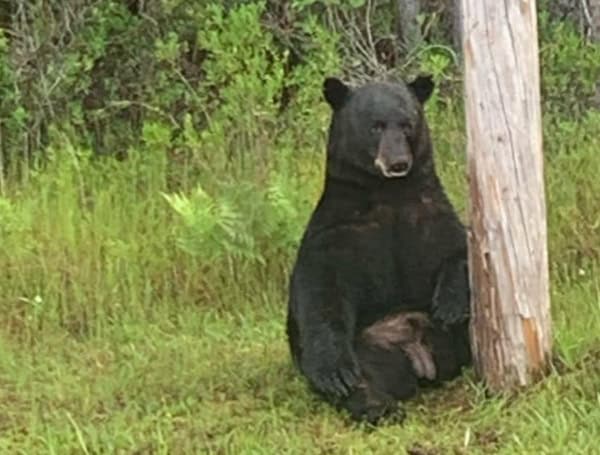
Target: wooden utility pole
511,326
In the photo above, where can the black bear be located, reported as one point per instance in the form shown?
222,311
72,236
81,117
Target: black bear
379,293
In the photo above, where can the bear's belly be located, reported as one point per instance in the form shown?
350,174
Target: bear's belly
397,272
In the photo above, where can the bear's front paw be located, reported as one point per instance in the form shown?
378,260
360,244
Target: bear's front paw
335,377
367,405
392,412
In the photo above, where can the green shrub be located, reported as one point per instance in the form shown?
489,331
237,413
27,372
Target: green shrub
570,68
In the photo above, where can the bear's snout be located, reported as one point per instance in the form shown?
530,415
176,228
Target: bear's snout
399,167
394,157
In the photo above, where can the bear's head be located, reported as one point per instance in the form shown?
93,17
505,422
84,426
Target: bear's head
378,130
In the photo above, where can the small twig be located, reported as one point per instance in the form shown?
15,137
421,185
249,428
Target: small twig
2,159
368,24
192,91
588,18
122,104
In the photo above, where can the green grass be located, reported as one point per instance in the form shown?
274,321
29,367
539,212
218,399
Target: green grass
209,381
114,340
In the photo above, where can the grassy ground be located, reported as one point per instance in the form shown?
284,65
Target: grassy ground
113,340
209,381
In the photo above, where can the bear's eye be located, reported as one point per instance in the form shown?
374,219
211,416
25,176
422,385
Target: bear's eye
378,127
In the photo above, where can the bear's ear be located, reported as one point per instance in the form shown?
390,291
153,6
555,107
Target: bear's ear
422,87
335,92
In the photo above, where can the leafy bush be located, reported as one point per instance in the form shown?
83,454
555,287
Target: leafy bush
570,68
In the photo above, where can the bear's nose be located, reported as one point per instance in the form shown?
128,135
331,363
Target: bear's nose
400,167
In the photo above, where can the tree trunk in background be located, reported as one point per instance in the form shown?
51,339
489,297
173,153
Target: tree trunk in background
585,13
594,10
457,25
595,35
511,326
407,24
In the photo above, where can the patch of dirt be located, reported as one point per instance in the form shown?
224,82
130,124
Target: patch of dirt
418,449
453,395
488,439
589,360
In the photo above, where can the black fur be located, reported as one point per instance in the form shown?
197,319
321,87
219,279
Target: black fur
381,241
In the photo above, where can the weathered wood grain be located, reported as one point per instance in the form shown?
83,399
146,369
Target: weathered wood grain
511,327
